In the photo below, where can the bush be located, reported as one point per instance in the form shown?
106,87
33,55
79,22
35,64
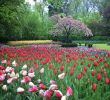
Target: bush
108,43
89,45
69,44
101,38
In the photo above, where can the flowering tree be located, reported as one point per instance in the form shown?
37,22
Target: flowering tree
67,25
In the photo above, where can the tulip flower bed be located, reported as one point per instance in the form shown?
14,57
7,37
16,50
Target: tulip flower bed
50,73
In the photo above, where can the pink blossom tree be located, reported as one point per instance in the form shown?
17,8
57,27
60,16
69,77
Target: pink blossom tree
65,26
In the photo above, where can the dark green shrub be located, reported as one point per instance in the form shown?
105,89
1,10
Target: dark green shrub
108,43
89,45
69,44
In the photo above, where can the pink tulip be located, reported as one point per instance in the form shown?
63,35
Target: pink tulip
39,81
48,94
53,87
69,91
2,77
58,93
52,82
41,93
9,80
42,86
34,88
27,79
31,70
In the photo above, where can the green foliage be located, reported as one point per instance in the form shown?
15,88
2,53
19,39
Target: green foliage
19,22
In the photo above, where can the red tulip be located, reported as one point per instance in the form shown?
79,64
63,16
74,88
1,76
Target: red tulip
105,73
93,73
61,68
71,71
45,61
8,63
85,69
79,76
95,64
55,71
1,72
2,67
89,64
82,63
96,56
94,86
106,65
98,76
83,72
92,59
50,66
75,64
107,80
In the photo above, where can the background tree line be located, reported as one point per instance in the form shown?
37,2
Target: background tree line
18,20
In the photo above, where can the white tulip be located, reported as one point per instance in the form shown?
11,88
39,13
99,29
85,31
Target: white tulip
12,74
14,63
23,81
39,81
64,98
9,69
4,61
23,72
20,90
61,76
31,75
4,87
17,75
24,67
31,84
42,70
9,80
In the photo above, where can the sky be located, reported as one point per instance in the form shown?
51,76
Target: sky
39,1
32,1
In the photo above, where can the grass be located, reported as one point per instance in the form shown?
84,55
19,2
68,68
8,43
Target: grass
98,45
102,46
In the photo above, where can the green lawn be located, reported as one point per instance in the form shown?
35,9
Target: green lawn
102,46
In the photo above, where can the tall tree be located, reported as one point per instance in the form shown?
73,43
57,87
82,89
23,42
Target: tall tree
9,17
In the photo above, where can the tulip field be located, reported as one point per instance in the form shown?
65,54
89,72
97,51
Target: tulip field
44,72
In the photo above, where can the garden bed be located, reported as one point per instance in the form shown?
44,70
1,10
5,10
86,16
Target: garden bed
33,72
